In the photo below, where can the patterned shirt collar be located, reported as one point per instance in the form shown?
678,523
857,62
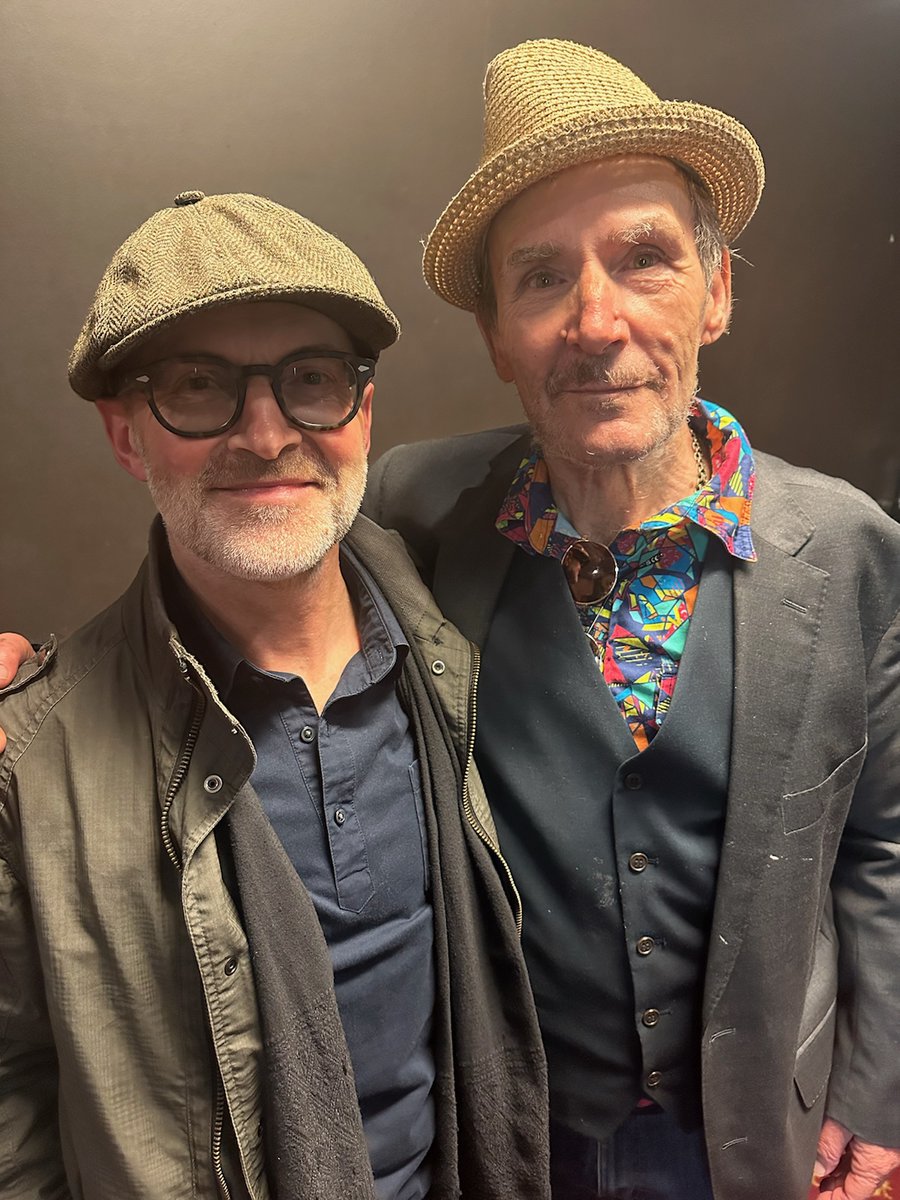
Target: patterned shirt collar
529,516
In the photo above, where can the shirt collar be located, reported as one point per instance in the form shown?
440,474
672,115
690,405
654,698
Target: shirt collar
722,507
383,644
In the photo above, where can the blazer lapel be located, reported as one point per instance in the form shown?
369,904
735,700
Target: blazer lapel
777,609
474,558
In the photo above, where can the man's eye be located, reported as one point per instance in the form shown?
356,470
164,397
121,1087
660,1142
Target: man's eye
199,383
643,259
316,378
541,279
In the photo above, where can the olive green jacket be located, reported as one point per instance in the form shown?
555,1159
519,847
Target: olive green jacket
130,1046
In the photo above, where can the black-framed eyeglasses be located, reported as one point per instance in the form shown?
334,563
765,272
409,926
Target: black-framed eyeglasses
199,396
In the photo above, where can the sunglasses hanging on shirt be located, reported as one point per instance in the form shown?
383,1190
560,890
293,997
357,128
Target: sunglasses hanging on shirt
591,572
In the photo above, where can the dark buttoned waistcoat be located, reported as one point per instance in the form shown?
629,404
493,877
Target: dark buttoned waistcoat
615,851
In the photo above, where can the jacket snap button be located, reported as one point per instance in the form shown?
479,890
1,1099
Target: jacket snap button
651,1017
438,667
339,816
645,945
654,1079
231,966
307,733
633,781
213,783
638,861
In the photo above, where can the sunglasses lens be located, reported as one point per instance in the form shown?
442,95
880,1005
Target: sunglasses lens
591,571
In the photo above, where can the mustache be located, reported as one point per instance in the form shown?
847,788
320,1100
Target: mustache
241,468
598,369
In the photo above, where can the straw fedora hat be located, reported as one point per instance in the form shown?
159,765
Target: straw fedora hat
551,104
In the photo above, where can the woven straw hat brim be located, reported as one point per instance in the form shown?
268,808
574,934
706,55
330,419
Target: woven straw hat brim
717,147
371,329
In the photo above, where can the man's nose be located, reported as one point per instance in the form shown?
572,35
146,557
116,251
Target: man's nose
263,428
596,321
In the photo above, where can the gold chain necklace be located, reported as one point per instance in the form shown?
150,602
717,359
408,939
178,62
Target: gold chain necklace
702,473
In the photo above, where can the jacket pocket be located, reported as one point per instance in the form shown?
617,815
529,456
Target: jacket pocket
799,810
812,1065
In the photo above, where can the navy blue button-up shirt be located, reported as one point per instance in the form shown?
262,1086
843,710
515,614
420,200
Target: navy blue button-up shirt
342,791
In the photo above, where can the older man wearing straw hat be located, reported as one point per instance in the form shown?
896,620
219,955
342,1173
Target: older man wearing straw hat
710,871
252,937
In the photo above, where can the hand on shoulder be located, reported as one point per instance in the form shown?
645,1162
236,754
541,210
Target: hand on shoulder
14,651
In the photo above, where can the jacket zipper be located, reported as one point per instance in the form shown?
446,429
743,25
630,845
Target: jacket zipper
218,1124
468,810
181,767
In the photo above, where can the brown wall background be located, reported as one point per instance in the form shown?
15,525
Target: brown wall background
365,115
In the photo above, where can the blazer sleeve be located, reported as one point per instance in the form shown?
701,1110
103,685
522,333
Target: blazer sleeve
864,1090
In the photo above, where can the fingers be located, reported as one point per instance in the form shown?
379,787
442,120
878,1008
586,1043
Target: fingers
866,1167
833,1142
14,650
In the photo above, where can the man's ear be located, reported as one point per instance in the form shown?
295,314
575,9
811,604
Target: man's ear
717,312
364,416
494,343
118,416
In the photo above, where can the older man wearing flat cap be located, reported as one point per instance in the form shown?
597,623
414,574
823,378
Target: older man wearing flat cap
690,668
256,937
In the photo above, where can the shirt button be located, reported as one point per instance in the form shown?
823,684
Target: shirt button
650,1017
339,816
638,861
645,945
307,733
634,781
654,1079
231,966
213,784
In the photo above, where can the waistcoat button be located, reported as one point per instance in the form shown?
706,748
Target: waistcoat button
650,1017
644,945
638,861
633,781
654,1079
213,784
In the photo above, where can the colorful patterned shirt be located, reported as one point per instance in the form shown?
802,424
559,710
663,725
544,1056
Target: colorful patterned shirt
639,631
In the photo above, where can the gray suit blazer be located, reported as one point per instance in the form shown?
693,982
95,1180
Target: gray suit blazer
802,988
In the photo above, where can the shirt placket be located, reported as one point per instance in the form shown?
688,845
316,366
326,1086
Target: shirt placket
343,828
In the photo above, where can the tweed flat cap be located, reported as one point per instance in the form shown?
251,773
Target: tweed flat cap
207,251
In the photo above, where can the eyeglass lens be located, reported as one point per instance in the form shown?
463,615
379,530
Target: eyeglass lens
196,396
591,571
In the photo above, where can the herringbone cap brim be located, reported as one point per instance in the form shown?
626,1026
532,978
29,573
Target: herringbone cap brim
550,105
208,251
